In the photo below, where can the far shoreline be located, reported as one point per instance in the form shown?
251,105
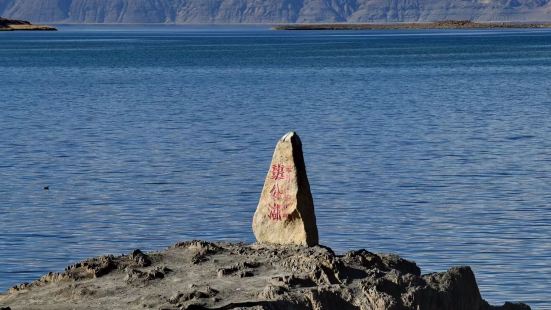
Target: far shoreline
22,25
413,26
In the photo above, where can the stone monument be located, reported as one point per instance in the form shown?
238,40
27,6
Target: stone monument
285,212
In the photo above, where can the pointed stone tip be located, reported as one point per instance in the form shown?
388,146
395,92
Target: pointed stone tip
288,136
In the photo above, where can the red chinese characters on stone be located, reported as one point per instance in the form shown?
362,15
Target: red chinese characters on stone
276,212
278,172
278,195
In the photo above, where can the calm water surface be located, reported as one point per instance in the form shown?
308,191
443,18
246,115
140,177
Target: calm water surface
432,144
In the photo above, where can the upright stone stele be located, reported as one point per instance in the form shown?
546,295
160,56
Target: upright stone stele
285,212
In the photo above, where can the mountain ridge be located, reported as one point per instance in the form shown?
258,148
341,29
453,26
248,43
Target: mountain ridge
273,11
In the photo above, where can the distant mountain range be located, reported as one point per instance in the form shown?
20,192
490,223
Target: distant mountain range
272,11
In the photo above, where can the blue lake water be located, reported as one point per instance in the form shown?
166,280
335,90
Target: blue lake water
435,145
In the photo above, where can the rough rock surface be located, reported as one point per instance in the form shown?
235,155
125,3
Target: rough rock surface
285,212
273,11
203,275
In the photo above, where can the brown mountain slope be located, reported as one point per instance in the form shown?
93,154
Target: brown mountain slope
273,11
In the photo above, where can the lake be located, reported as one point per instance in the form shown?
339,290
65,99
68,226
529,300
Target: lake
433,144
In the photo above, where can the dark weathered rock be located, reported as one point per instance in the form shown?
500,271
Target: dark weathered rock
4,22
140,258
285,212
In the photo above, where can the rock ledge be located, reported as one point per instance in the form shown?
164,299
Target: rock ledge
205,275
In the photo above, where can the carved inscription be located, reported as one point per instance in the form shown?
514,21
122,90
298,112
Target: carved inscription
279,204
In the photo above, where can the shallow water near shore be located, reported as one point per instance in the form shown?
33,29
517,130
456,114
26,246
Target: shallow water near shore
434,145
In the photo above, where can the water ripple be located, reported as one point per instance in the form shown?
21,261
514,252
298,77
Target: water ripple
434,145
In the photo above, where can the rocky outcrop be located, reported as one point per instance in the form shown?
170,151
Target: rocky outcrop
203,275
273,11
11,24
285,212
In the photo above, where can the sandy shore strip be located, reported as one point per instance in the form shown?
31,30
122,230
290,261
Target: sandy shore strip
405,26
22,25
